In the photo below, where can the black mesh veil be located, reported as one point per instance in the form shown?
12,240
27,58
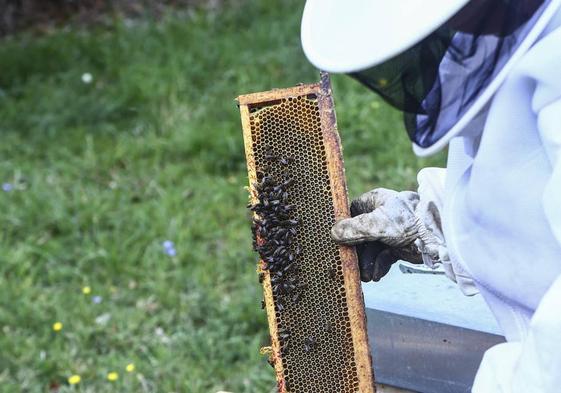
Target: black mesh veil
436,81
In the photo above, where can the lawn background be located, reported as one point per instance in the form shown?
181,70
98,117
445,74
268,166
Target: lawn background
151,150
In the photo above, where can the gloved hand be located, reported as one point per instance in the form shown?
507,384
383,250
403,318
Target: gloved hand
385,227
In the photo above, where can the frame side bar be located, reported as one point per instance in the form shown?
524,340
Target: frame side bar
267,287
351,275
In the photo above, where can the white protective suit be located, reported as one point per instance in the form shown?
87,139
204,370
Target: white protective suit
501,215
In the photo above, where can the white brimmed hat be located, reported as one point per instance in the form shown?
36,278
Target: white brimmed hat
350,35
440,74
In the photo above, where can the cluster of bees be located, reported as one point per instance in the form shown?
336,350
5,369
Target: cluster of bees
274,229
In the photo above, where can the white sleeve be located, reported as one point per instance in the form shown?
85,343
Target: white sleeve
549,124
431,192
532,365
546,104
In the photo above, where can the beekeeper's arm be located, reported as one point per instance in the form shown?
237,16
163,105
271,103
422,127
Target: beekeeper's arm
534,364
388,226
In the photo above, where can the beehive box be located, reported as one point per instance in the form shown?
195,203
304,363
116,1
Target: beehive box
311,286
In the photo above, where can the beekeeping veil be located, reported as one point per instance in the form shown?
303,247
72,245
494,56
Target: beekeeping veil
438,61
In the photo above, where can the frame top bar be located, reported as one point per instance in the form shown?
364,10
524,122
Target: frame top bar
275,94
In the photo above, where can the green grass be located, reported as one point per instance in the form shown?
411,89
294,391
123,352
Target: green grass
151,150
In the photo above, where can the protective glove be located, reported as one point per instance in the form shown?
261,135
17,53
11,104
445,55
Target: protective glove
387,226
383,228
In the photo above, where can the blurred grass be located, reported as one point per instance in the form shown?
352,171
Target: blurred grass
151,150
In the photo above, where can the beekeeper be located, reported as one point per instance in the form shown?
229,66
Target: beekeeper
482,78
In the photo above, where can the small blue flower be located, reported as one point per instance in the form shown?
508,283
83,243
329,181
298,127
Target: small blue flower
97,299
169,248
7,187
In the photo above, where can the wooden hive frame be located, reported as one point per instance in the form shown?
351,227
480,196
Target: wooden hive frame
362,365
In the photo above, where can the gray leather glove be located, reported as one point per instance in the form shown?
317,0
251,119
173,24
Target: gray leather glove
384,229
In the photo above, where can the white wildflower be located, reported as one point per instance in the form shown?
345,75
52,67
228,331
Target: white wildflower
87,78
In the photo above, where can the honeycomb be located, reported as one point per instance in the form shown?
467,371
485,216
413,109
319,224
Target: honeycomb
320,354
